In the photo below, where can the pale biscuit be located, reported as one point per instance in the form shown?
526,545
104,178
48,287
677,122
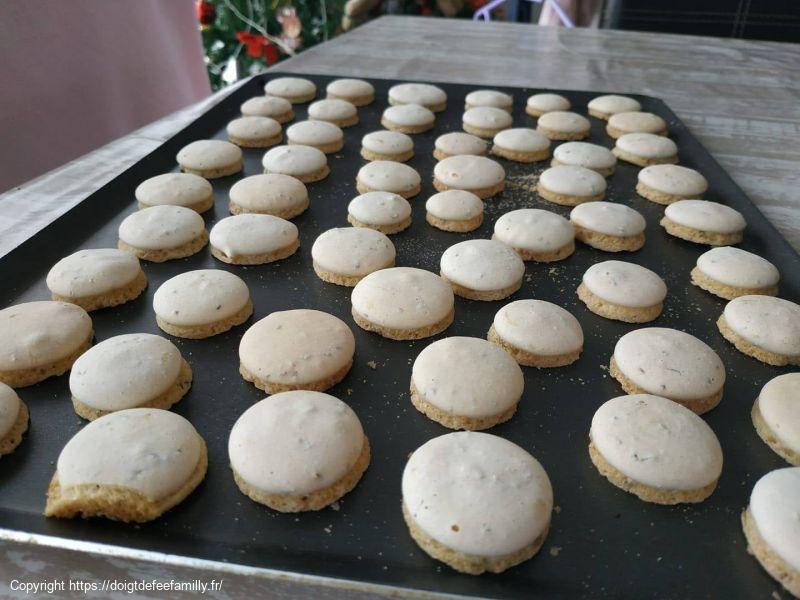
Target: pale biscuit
339,112
570,186
608,226
776,416
253,239
763,327
604,107
635,122
563,125
704,222
269,194
477,174
176,189
254,132
535,234
346,255
298,451
97,278
486,121
482,269
458,142
388,176
430,96
294,89
622,291
387,145
14,418
210,158
645,149
408,118
322,135
40,340
304,163
491,98
583,154
161,233
521,145
730,272
665,184
383,211
538,104
356,91
454,210
273,107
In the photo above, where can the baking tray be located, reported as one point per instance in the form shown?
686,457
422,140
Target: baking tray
602,542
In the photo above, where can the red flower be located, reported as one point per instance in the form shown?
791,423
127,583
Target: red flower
256,45
206,13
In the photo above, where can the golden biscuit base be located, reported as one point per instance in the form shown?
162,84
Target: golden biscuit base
319,385
617,133
25,377
482,295
114,297
364,189
606,242
529,359
263,142
482,193
301,99
750,349
287,213
346,122
362,100
564,199
328,148
188,249
699,236
198,332
200,206
399,157
404,334
644,161
454,421
13,437
729,292
618,312
606,172
550,256
518,156
256,259
310,177
283,117
646,492
317,500
467,106
599,114
773,564
409,129
165,400
696,405
659,197
483,132
216,173
339,278
117,502
386,229
556,135
470,563
456,225
766,433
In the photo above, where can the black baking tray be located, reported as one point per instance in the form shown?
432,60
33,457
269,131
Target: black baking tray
603,541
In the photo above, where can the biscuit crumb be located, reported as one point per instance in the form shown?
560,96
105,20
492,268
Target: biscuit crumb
555,550
557,510
372,365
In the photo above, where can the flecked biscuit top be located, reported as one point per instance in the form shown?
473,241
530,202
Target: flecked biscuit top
10,405
774,506
253,128
477,493
468,377
673,179
573,181
454,205
161,227
489,98
379,208
548,103
468,172
209,154
349,88
611,104
460,142
311,133
625,284
417,93
269,192
738,268
657,442
487,117
706,216
295,443
533,229
266,106
521,139
179,189
584,154
125,371
200,297
609,218
567,122
251,234
409,115
403,298
294,160
296,347
331,109
669,363
290,87
779,405
353,251
647,145
482,265
36,334
767,322
388,176
387,142
92,272
637,122
149,450
539,327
